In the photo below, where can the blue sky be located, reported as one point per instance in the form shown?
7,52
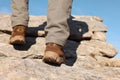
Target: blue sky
109,10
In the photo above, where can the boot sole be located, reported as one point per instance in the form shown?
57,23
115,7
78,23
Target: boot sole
17,40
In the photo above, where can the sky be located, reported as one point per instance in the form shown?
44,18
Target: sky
108,10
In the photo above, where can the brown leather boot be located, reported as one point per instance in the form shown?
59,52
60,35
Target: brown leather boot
18,35
54,54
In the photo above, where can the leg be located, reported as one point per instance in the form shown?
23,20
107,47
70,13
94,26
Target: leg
57,30
19,21
57,25
20,15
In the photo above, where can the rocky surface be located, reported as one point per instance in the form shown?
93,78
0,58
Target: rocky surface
88,55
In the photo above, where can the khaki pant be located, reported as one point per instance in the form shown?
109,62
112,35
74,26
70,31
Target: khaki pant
57,18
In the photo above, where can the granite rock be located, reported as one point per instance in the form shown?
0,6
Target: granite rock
88,55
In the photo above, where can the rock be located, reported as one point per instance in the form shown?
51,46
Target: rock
97,18
99,36
94,23
30,49
88,55
78,26
27,69
114,62
96,47
88,34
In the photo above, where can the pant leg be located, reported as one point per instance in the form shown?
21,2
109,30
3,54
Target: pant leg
20,15
57,21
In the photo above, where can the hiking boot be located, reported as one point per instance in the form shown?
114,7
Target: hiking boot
18,35
54,54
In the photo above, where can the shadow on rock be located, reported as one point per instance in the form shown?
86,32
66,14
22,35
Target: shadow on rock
29,42
70,52
77,29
